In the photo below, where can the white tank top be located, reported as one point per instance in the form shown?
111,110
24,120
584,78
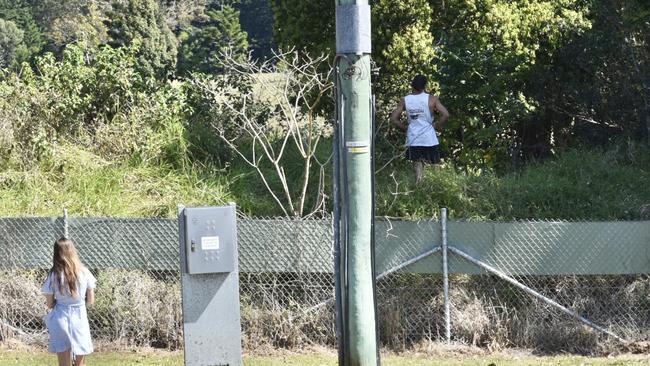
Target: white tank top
420,121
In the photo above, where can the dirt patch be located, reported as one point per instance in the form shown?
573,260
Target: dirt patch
638,347
15,345
268,351
430,348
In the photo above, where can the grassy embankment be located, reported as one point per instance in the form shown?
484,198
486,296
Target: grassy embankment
577,184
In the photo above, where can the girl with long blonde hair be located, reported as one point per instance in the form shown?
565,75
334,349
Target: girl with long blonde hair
68,288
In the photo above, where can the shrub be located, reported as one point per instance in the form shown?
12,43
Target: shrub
135,308
97,99
21,302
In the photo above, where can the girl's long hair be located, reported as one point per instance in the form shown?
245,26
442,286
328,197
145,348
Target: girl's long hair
66,265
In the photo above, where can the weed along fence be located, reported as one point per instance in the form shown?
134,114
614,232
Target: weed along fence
550,285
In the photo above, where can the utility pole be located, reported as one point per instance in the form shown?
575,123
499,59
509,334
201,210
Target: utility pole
354,256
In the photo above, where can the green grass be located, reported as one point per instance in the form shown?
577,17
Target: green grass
577,184
88,185
96,359
176,358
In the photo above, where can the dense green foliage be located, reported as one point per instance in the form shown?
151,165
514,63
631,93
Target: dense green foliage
256,17
599,85
493,55
11,39
99,141
521,78
104,109
403,44
20,35
98,100
82,25
306,25
220,32
141,22
401,34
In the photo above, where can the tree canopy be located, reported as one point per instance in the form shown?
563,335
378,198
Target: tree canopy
218,32
522,78
141,22
19,24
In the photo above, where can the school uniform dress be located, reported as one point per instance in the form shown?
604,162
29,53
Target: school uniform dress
421,137
67,322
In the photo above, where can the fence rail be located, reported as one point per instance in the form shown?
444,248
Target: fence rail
596,269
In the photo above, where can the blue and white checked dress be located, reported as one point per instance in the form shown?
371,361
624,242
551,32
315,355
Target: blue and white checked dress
67,323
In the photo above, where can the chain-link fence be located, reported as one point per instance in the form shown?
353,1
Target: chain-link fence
509,281
598,270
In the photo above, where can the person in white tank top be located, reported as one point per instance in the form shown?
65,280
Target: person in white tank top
421,138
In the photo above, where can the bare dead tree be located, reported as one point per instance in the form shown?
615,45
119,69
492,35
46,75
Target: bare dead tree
270,105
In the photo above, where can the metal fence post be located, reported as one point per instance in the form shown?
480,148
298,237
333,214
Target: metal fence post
65,224
445,274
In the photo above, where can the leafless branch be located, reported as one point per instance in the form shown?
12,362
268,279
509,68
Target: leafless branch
280,106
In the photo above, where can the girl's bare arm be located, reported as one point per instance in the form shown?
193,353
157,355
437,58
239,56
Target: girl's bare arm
90,296
49,300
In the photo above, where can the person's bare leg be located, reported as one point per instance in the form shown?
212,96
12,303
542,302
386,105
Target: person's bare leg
419,166
64,358
79,360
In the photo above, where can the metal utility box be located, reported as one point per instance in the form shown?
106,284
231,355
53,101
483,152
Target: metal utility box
210,286
210,239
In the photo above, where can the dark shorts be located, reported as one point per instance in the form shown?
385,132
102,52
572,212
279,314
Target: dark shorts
427,154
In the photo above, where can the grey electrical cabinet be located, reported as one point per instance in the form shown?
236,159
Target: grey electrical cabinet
209,236
210,285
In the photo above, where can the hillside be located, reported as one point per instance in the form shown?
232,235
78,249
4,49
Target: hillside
129,108
578,184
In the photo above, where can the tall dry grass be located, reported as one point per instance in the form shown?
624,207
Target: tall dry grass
135,308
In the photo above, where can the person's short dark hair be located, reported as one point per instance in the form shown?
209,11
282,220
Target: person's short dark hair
419,82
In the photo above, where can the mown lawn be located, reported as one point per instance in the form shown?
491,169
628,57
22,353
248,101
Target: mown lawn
31,358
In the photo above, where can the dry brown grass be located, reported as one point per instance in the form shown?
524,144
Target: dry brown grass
138,309
21,305
134,308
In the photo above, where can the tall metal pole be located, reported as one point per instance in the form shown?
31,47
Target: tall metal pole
66,234
357,328
445,274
